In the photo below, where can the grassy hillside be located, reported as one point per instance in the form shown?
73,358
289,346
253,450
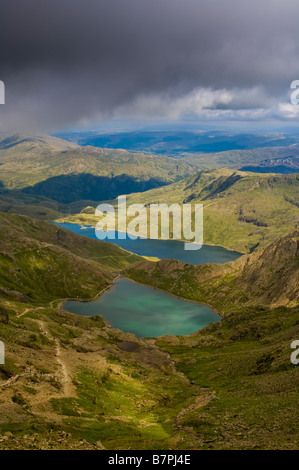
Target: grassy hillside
45,262
93,393
242,211
68,381
245,362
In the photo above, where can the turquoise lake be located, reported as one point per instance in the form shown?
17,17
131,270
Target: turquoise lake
146,312
169,249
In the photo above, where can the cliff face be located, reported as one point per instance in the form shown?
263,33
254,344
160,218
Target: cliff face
272,275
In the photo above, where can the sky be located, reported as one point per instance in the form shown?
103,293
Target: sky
83,64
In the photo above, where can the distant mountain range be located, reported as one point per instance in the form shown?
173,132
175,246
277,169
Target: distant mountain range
44,176
178,143
206,150
39,175
284,165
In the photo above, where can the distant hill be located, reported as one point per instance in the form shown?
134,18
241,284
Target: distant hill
284,165
43,176
238,159
179,142
26,161
204,150
33,143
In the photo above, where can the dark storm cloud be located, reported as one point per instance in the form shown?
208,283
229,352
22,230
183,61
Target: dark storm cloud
66,62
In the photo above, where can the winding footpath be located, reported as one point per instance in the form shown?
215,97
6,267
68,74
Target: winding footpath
68,389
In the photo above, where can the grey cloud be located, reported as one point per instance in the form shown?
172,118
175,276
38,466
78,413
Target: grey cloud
70,61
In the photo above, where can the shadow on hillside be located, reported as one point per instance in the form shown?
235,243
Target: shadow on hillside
14,140
75,187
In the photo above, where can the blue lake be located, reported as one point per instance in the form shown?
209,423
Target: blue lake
145,311
164,249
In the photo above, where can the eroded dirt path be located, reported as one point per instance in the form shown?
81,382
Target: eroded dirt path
24,313
32,309
68,387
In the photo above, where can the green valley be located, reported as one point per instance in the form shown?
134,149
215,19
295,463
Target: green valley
71,382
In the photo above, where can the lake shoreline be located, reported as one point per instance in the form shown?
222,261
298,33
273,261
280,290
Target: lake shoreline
120,276
92,225
152,256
